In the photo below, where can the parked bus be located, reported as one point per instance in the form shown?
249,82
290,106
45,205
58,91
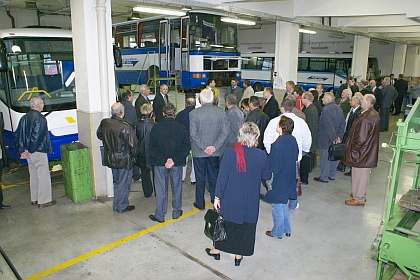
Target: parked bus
38,62
191,49
331,70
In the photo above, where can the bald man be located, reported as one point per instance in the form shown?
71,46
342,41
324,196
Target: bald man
120,149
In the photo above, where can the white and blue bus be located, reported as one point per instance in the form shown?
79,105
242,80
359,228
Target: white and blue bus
38,62
331,70
191,49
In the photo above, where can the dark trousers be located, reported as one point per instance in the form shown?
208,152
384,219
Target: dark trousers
146,181
207,167
384,114
398,104
136,173
122,181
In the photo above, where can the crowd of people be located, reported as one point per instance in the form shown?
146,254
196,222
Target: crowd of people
233,151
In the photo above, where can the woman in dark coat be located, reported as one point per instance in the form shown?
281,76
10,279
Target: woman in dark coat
282,158
143,128
237,193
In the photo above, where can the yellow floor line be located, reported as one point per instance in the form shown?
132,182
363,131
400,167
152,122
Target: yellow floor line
22,183
110,246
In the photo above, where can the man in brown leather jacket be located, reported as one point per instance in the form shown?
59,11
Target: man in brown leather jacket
361,150
120,149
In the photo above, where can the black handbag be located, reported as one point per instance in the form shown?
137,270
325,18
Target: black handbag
335,152
214,227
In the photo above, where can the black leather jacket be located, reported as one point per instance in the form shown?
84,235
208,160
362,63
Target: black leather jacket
143,129
120,143
32,134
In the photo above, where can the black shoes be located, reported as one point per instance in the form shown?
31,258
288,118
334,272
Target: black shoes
320,180
192,183
127,209
153,218
288,234
179,215
215,256
332,179
198,207
348,173
238,261
4,207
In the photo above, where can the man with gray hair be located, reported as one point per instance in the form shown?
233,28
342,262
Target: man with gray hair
366,89
142,99
33,144
235,117
362,149
344,102
209,129
330,131
120,149
389,94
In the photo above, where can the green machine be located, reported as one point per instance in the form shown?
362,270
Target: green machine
399,244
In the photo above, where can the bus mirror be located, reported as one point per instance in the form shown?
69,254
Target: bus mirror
117,56
3,58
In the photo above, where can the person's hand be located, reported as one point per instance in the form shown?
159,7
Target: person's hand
25,155
337,141
210,150
169,163
216,203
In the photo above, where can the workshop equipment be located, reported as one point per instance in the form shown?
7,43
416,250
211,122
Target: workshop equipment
399,245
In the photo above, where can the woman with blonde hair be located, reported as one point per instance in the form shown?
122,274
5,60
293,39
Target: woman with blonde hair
237,193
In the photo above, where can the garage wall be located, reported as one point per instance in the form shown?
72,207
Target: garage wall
262,38
25,18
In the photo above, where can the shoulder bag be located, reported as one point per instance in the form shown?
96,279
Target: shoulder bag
335,152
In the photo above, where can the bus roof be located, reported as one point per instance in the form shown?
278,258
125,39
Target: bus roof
35,32
326,55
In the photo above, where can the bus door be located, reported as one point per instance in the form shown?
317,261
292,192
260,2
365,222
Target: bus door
183,77
164,46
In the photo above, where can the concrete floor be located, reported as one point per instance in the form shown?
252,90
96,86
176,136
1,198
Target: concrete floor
88,240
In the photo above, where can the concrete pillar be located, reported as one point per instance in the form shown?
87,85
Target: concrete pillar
286,56
360,57
398,64
93,62
412,65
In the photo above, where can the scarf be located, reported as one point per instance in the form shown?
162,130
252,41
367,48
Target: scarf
240,157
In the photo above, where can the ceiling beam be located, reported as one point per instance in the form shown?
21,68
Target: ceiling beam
377,21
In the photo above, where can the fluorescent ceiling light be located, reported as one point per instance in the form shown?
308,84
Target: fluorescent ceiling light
157,10
216,46
238,20
307,31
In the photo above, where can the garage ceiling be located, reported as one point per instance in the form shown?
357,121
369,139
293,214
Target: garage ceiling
388,21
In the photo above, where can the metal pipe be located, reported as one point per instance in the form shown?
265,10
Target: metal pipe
11,17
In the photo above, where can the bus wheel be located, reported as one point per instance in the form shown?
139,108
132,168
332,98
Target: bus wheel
152,73
258,87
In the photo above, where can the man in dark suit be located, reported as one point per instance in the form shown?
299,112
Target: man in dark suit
258,117
234,89
389,94
366,89
142,99
270,106
350,84
183,117
209,129
169,147
160,100
377,92
401,86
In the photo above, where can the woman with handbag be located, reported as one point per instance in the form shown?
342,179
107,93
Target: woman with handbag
237,193
282,158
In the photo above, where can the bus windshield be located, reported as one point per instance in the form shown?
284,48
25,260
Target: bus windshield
39,67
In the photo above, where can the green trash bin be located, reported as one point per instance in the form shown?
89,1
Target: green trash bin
76,171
